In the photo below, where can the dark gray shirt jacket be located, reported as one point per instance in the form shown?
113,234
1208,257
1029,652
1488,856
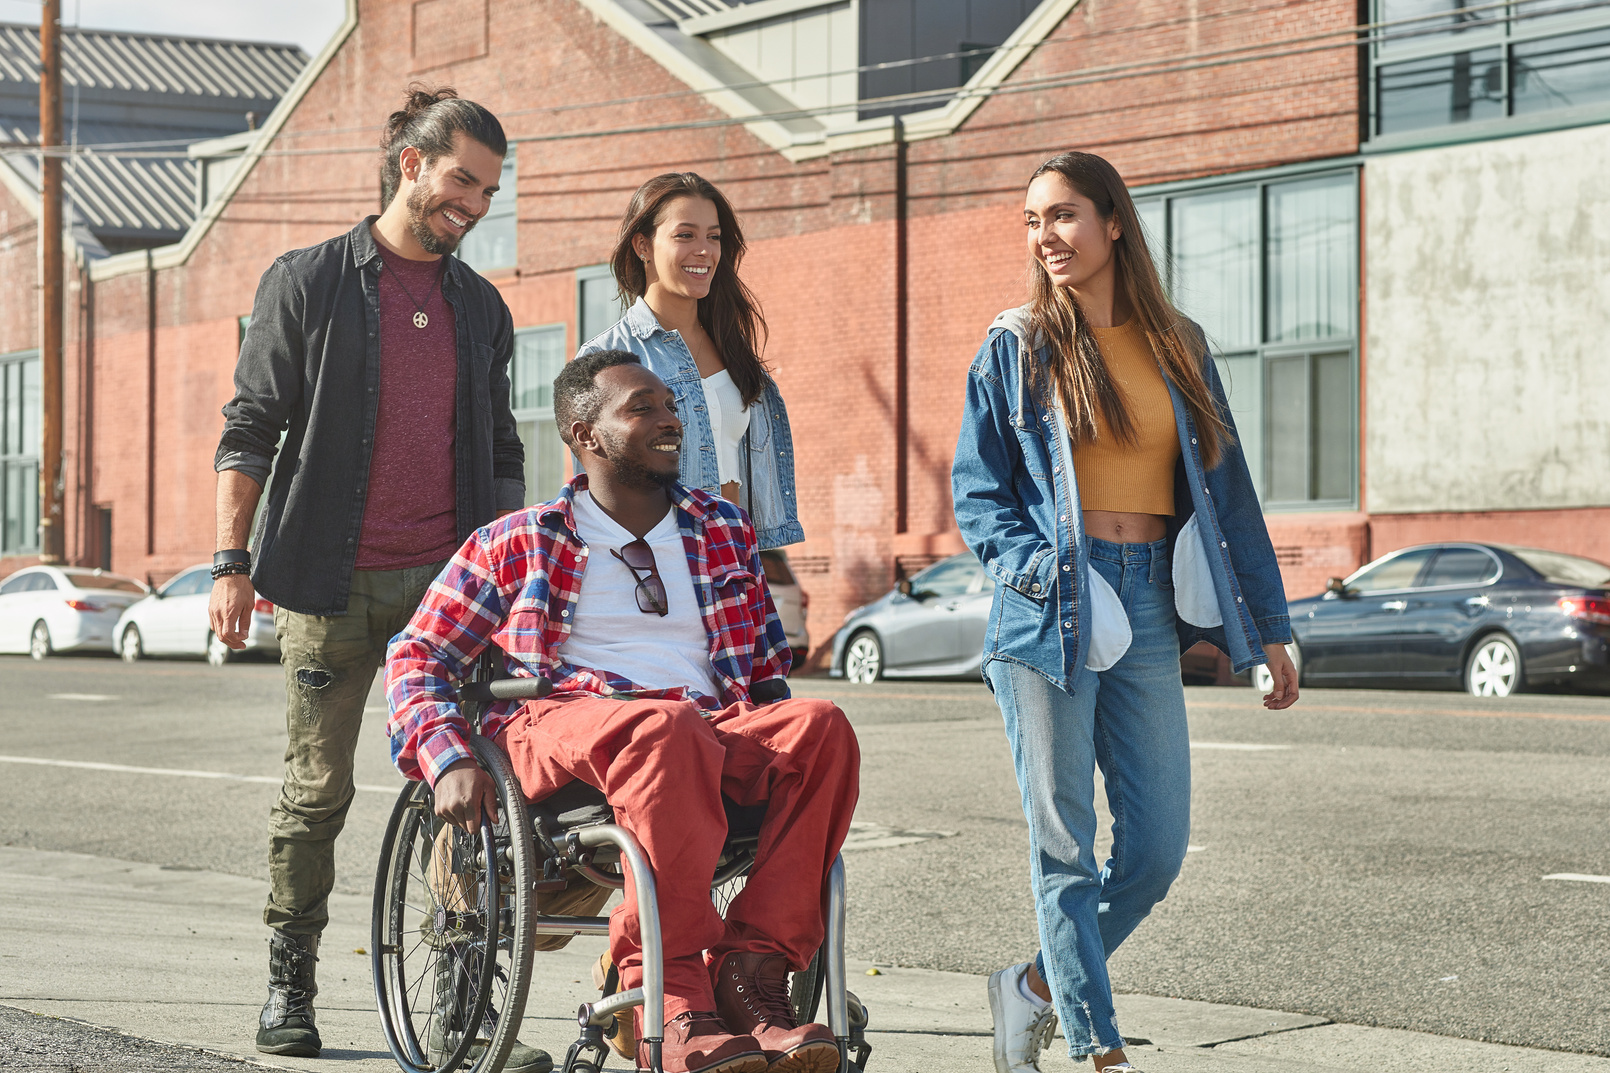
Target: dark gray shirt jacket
310,368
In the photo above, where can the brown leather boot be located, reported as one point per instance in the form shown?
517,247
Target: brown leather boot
702,1043
752,996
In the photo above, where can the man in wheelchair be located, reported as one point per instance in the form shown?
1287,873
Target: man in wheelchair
645,604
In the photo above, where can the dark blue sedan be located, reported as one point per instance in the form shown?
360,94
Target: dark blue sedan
1488,618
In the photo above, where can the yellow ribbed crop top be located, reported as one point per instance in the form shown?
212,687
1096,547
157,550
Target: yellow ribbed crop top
1138,479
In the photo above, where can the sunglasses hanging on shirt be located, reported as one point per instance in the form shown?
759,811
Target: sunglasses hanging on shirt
639,559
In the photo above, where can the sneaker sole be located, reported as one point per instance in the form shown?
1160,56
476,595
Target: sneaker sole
290,1050
817,1057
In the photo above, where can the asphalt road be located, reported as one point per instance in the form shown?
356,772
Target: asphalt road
1371,857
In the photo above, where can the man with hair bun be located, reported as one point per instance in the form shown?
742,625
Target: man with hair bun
372,401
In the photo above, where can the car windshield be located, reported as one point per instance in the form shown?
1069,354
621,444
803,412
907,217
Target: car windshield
89,579
952,577
1565,569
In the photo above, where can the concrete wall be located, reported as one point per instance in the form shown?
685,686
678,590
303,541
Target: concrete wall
1487,301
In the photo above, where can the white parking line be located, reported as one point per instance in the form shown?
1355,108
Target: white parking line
128,769
1240,746
79,696
1577,877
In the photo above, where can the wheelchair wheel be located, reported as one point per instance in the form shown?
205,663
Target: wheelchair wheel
452,942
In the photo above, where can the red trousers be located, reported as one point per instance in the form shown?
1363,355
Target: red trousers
664,765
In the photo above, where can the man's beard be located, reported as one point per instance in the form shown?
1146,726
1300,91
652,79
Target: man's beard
628,471
419,212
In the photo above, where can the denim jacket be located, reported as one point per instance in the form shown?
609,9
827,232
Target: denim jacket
768,481
1023,521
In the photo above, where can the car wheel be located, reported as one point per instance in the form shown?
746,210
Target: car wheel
39,641
1263,681
131,648
863,659
1494,667
218,653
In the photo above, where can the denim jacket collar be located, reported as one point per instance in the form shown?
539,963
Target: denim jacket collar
641,321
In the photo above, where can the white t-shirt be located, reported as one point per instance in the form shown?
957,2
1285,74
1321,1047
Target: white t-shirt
608,632
729,420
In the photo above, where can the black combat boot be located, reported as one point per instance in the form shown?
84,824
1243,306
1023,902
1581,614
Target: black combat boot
286,1026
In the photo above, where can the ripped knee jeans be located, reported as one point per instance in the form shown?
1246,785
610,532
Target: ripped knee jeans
330,664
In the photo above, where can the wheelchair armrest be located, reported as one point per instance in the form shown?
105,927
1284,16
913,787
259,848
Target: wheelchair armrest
769,691
505,689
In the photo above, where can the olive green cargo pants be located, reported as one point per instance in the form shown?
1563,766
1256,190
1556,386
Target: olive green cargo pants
330,664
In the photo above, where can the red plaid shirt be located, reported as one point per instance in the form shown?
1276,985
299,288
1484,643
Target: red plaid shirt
514,583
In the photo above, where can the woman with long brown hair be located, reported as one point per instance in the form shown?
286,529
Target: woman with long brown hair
695,323
1099,480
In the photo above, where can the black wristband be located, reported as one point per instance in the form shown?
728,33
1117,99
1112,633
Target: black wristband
225,569
233,555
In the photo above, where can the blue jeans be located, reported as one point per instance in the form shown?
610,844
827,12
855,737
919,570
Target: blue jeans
1129,719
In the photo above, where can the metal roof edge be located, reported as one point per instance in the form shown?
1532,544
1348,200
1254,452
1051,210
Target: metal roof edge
177,254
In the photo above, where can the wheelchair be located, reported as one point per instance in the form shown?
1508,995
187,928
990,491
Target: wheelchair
453,941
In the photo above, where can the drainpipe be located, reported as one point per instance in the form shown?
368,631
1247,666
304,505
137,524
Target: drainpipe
150,404
902,395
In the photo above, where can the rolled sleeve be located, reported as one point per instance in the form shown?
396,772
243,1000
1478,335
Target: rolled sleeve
268,378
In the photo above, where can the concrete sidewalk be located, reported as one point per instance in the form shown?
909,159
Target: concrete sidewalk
180,956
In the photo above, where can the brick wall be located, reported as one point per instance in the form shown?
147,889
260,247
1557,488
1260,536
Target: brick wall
823,237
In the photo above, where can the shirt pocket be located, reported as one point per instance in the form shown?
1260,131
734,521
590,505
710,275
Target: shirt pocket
1034,446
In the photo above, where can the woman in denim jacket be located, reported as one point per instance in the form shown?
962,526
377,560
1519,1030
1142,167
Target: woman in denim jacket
699,328
1099,481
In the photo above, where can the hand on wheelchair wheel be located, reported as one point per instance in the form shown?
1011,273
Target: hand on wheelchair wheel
462,792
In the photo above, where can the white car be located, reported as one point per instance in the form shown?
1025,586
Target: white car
791,601
46,609
172,621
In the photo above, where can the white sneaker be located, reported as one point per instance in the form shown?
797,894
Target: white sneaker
1022,1028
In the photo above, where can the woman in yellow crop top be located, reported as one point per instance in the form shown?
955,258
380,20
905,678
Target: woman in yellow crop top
1098,479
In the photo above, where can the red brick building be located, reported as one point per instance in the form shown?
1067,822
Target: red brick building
881,245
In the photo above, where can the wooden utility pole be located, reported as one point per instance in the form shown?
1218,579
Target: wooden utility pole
51,519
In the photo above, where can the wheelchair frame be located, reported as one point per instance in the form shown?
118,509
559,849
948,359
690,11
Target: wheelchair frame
510,903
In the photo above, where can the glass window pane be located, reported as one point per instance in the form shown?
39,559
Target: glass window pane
1288,429
1216,264
491,242
29,438
1566,569
1333,426
539,354
1461,566
949,578
11,420
599,301
1558,72
1397,572
21,531
1432,92
552,462
1153,222
1414,21
1311,254
1243,387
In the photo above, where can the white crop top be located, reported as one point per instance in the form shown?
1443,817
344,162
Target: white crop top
729,420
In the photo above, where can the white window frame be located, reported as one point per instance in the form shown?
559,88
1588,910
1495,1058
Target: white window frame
12,461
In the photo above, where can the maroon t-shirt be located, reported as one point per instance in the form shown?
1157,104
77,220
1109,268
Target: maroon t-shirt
411,515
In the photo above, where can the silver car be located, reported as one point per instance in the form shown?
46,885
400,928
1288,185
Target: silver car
47,609
791,601
173,621
930,626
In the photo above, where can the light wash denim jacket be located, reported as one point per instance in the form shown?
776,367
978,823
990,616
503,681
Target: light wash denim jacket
1023,521
768,485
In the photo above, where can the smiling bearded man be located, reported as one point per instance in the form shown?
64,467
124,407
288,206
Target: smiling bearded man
380,362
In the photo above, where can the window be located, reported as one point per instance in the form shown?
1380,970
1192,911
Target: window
1395,573
1436,63
953,577
1461,566
598,302
1566,569
490,245
936,48
19,453
1270,271
194,583
539,354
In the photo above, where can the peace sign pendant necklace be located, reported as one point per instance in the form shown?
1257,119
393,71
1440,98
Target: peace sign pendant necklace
420,319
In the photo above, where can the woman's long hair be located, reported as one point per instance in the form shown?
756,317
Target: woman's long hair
1077,372
729,312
